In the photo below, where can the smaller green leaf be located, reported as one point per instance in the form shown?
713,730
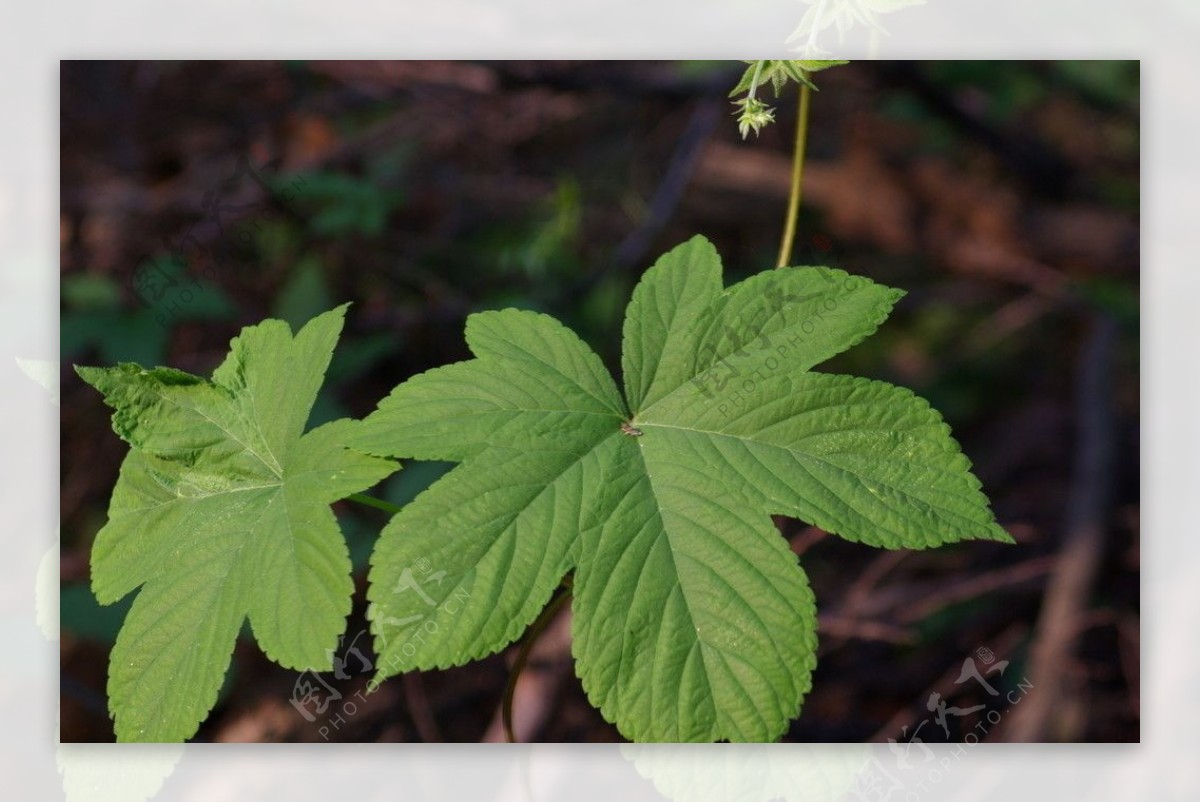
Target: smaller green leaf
221,513
746,81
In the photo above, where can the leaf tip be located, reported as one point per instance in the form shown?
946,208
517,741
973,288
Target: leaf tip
338,313
103,594
999,534
89,373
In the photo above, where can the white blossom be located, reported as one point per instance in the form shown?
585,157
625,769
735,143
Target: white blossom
843,14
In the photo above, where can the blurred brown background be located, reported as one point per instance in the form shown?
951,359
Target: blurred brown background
198,197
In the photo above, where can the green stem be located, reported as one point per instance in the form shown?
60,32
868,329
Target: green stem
544,618
754,80
789,231
375,502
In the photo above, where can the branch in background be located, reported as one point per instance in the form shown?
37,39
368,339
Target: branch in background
846,627
637,243
418,708
1044,170
945,686
1046,715
633,249
974,587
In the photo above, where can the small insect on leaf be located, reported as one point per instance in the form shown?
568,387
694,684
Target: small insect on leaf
630,430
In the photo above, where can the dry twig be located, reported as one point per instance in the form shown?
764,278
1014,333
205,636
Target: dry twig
1066,598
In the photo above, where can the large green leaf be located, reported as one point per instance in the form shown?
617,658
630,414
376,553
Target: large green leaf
221,513
692,619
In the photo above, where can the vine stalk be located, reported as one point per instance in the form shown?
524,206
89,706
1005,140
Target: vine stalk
531,636
375,502
793,211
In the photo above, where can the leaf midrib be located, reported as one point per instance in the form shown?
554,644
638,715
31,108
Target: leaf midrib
749,442
607,405
678,583
273,465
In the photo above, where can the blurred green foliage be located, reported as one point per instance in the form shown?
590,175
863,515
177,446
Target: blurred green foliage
81,615
339,205
96,317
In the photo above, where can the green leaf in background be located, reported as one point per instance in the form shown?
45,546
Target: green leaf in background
341,204
304,294
692,618
221,513
88,291
94,317
81,615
